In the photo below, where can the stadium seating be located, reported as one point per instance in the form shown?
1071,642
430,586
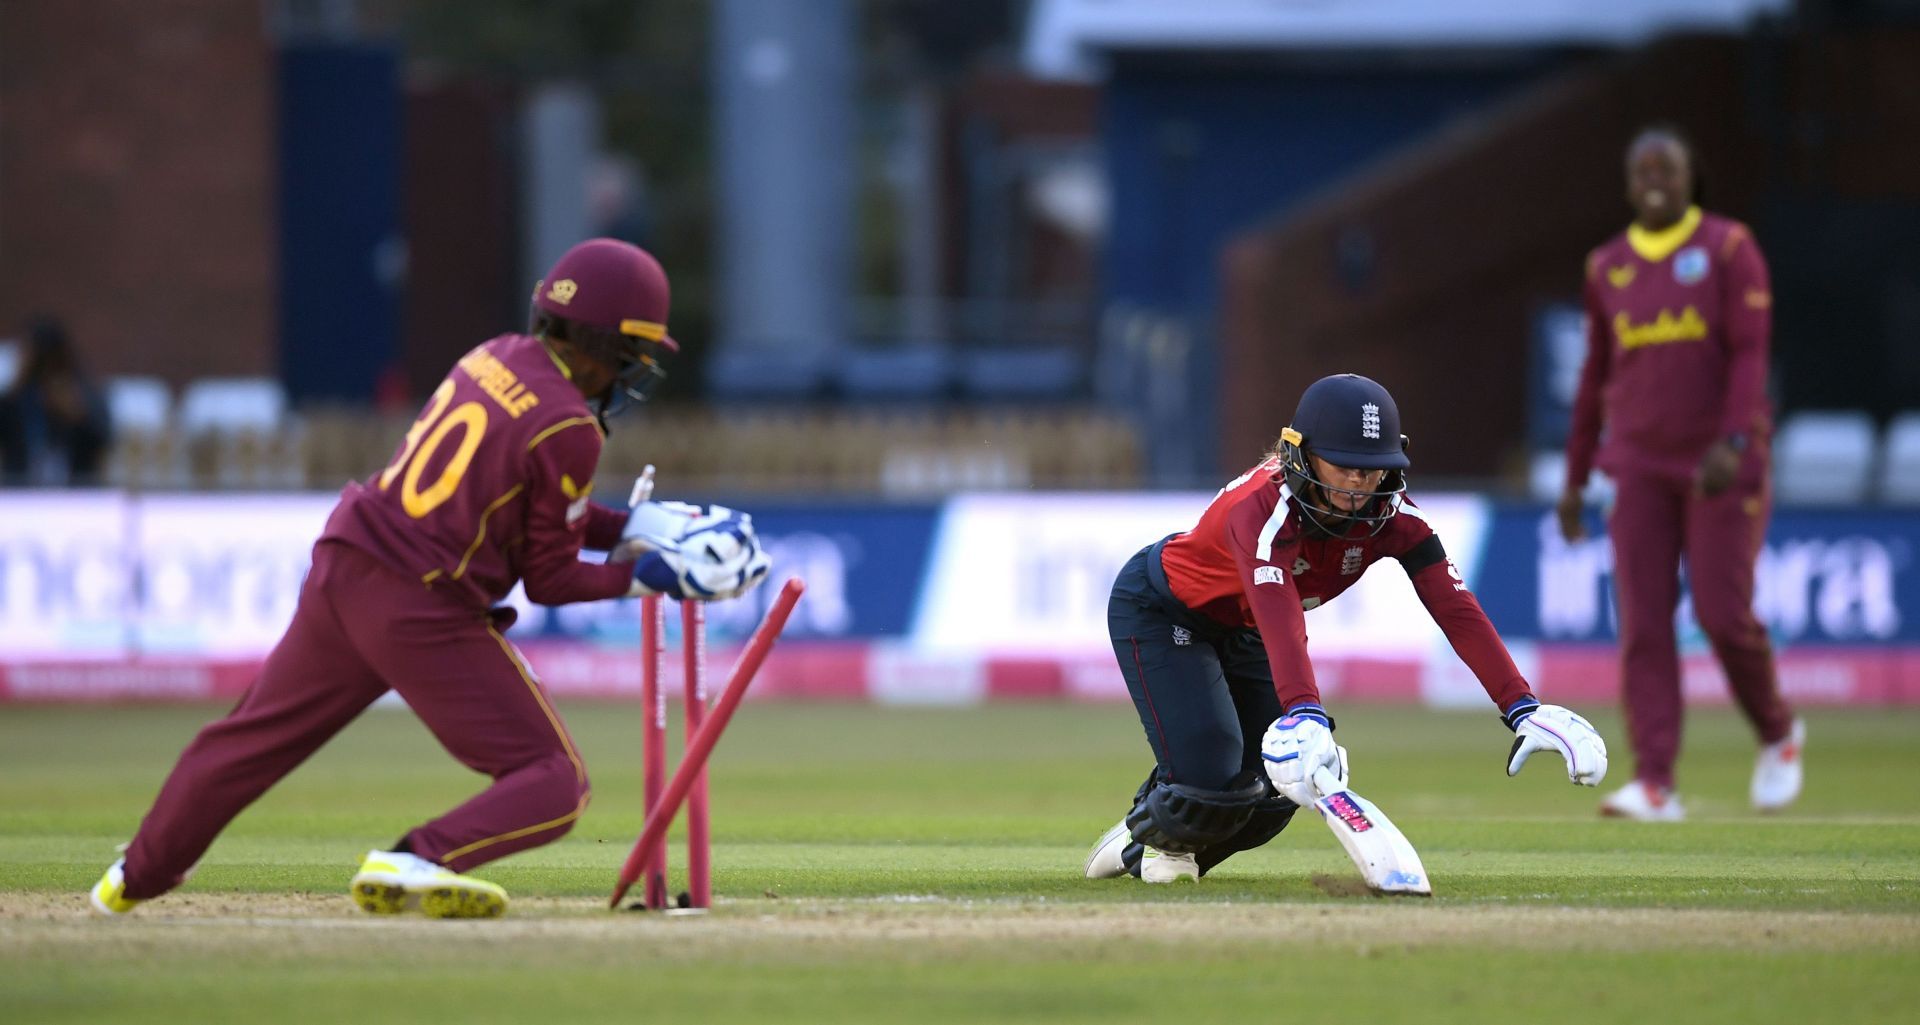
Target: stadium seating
145,452
1900,461
238,434
1824,457
338,444
701,452
900,452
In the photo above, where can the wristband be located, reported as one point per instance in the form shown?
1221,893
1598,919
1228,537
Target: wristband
1309,710
1518,712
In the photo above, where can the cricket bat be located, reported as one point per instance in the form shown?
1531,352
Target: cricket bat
1386,860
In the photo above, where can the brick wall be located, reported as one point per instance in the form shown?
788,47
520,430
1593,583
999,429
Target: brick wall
137,181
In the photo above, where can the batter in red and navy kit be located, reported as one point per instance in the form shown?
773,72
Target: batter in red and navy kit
488,488
1673,406
1209,627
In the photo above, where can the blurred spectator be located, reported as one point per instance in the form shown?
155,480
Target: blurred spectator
54,427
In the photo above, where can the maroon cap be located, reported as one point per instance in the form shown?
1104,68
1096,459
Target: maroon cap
612,284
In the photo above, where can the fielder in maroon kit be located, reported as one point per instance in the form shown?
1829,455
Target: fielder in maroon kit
1210,630
489,487
1673,405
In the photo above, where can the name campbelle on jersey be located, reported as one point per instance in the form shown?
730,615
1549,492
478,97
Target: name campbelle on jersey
500,384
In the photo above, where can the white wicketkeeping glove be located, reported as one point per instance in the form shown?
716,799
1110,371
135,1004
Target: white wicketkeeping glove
655,527
1293,749
721,556
1554,728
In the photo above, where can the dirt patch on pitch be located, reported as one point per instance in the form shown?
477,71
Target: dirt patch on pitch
54,907
1335,886
306,926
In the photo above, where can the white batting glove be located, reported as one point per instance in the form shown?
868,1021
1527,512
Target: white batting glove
1294,748
1554,728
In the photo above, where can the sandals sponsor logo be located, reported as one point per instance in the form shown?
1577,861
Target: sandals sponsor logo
1664,329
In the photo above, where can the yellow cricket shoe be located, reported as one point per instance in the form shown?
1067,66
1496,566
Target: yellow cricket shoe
390,882
109,896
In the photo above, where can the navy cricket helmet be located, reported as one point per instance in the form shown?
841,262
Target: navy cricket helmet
1349,421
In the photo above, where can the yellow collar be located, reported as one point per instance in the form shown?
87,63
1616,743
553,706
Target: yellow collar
1654,246
548,349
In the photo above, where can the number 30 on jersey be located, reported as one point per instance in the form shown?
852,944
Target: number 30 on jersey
424,439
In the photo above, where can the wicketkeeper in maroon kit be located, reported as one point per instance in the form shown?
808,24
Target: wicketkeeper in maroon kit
1673,406
489,487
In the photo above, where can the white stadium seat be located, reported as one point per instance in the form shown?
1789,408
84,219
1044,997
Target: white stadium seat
238,433
139,405
1900,462
146,452
1824,457
213,405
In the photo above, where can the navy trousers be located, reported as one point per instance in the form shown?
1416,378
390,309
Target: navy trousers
1204,693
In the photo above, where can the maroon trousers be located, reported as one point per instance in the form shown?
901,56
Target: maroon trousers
360,629
1657,520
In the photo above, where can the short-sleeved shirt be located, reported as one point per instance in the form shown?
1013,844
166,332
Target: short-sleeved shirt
490,486
1254,561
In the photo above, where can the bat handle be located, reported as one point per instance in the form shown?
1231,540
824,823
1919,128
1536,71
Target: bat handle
1326,782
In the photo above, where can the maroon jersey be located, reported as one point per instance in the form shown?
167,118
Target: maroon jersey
1678,323
1252,561
490,486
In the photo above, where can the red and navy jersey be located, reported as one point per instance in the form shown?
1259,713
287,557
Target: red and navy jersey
1252,561
490,486
1678,326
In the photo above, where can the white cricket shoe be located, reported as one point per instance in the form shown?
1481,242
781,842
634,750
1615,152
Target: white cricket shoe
1643,802
1104,861
390,882
1777,771
1158,866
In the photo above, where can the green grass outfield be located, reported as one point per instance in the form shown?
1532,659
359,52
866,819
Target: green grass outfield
922,865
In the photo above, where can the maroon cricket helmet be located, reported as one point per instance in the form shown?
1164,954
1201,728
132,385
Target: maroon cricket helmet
607,283
615,296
